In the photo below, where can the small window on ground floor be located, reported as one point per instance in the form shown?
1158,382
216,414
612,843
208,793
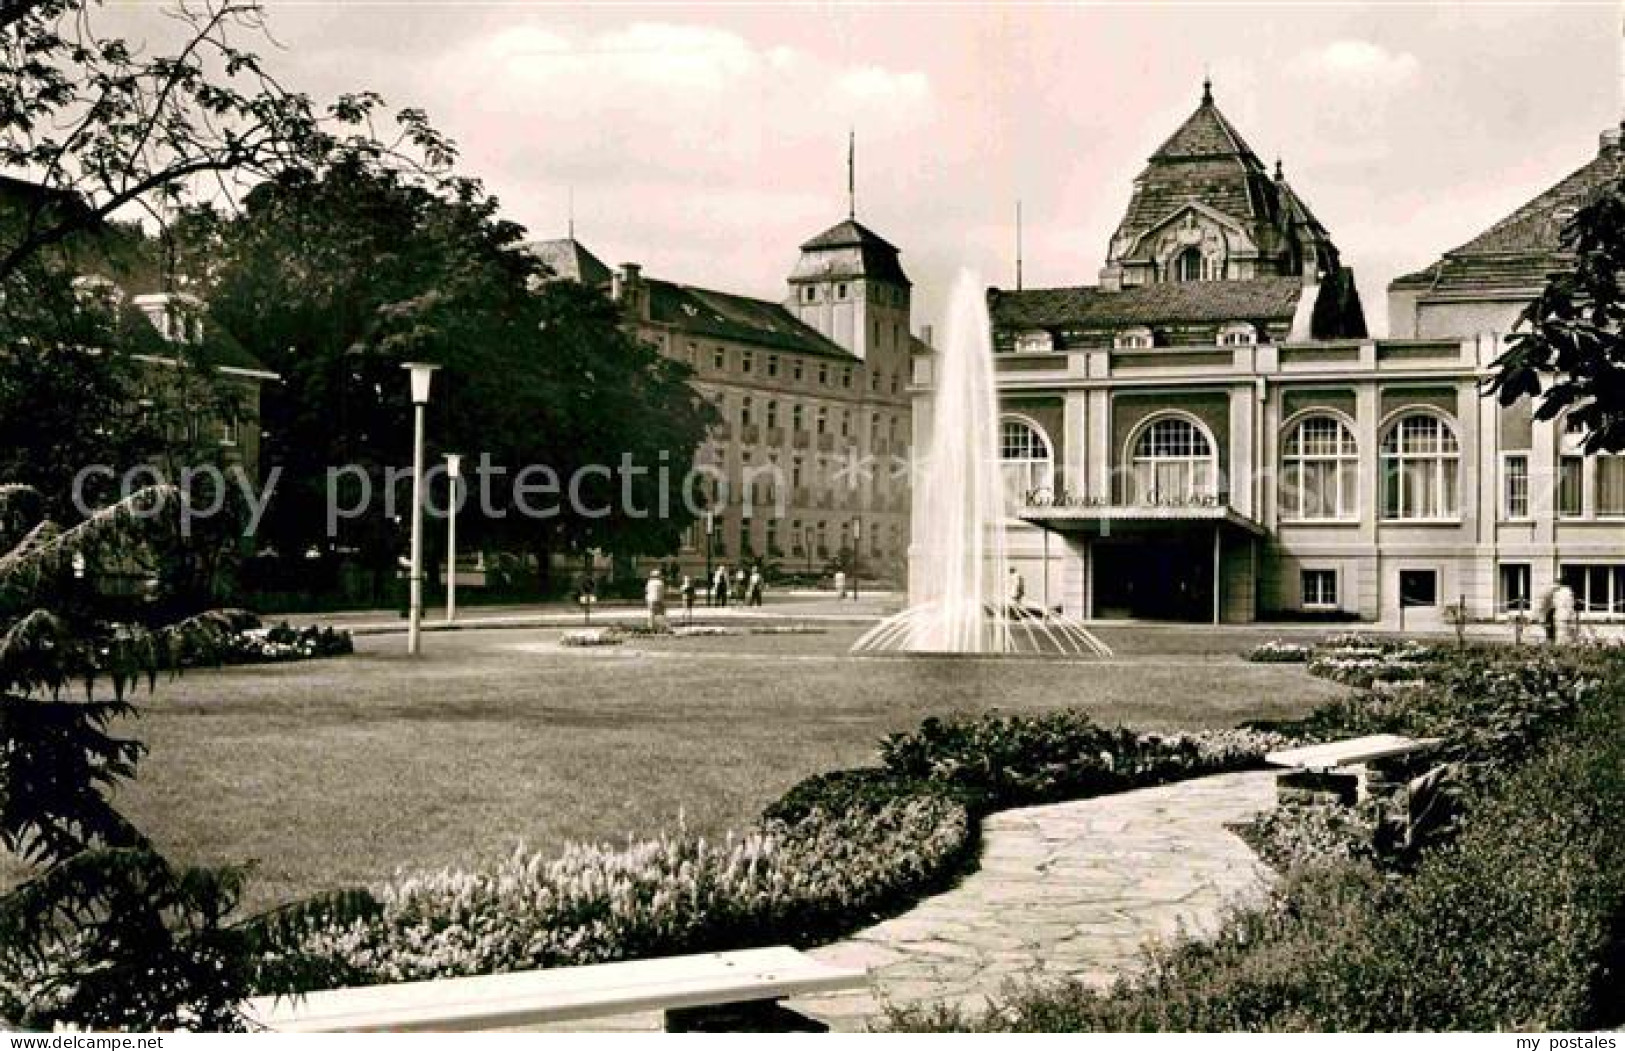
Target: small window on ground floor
1513,596
1597,588
1418,587
1319,588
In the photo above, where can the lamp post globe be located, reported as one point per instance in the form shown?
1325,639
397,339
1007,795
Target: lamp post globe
421,376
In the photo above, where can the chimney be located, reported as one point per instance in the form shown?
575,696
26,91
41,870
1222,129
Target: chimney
925,334
1610,140
626,288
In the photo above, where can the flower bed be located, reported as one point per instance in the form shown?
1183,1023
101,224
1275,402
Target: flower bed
1357,660
590,637
1278,652
247,642
819,874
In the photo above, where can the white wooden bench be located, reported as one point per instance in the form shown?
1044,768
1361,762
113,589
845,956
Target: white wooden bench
677,985
1320,772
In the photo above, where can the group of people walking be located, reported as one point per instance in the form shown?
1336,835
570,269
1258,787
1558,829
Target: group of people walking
719,590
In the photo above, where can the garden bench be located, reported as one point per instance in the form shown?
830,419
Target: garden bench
724,989
1319,771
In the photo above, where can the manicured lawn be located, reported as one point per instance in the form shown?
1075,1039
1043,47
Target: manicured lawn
339,772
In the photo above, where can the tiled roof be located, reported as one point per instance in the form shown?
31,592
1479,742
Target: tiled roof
722,315
1262,299
569,259
1525,248
1205,133
847,232
1204,160
849,250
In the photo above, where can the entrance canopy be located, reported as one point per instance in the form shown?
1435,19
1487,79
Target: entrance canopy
1127,519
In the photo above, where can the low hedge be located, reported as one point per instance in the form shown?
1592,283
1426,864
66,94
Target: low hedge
1516,923
1020,760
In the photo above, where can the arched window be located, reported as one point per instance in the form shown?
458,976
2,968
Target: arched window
1138,338
1320,470
797,420
1238,334
1188,265
1421,467
744,413
772,415
1173,461
1027,463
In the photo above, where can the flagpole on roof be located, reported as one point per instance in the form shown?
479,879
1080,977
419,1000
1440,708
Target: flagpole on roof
851,173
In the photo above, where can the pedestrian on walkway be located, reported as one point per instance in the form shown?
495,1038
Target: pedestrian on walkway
840,583
654,596
719,587
755,587
1015,593
687,591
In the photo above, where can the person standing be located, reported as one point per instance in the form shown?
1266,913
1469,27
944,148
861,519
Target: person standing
687,591
719,586
754,590
654,596
1015,592
840,584
1565,617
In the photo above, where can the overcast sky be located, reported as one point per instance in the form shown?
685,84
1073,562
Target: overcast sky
707,142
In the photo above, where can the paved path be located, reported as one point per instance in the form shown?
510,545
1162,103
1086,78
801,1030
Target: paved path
1070,889
1067,889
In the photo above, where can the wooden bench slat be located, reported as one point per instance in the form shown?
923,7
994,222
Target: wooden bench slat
559,995
1352,751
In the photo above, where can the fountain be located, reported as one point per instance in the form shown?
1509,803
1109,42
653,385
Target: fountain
957,575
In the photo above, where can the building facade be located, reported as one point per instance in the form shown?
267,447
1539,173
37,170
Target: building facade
1208,434
812,394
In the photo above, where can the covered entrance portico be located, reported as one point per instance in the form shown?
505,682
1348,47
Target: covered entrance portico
1189,563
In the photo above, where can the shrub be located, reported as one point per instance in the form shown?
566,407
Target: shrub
802,881
1515,924
1016,760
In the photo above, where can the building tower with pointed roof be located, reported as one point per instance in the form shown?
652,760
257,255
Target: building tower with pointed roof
1205,208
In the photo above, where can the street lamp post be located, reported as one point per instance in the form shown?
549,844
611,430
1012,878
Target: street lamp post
454,475
857,548
421,376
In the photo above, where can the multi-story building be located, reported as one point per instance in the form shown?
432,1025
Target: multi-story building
1208,434
812,396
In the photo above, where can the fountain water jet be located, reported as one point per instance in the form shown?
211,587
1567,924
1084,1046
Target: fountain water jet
958,573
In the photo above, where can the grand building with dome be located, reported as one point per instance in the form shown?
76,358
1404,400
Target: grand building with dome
1207,432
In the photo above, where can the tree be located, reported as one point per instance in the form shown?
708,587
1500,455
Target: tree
1568,351
336,276
107,933
101,125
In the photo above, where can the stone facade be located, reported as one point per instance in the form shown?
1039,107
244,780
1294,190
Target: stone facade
812,395
1217,439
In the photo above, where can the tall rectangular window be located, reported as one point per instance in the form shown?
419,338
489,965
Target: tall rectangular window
1610,485
1515,484
719,359
1571,487
1319,588
1513,596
